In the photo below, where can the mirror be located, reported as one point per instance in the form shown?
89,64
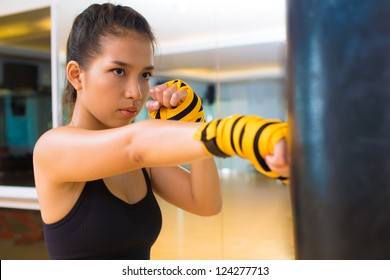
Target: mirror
25,91
25,113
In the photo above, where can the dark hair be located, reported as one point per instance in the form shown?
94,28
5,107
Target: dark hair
95,22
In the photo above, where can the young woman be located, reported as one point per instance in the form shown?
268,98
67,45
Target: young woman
96,177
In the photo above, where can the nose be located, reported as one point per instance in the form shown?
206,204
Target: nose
133,91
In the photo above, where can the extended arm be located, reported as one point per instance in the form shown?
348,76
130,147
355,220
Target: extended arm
69,154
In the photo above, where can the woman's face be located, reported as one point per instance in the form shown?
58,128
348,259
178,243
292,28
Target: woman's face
116,83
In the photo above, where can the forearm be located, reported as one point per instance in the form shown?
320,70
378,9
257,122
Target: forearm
205,187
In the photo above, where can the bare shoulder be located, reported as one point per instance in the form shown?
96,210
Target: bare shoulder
45,148
48,137
49,143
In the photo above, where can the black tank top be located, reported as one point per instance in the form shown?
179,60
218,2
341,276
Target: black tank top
102,226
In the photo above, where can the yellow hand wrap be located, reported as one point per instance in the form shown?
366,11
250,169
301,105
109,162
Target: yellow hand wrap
189,110
249,137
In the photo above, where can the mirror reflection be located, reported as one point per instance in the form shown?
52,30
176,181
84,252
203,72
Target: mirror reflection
25,91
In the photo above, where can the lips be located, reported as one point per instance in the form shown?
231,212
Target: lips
130,112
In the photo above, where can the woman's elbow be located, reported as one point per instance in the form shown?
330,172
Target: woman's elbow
212,210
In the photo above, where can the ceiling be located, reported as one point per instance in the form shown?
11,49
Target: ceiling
27,29
225,38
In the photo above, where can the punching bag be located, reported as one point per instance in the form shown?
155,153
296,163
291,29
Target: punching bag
339,115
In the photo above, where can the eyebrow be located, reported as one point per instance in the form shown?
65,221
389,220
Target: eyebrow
121,63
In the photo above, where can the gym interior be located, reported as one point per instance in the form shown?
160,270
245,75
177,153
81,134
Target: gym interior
247,57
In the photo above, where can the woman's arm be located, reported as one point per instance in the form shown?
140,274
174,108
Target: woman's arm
69,154
197,192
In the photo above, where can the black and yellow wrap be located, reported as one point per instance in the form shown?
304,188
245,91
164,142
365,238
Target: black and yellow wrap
189,110
249,137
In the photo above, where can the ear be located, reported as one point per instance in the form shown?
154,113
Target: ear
73,73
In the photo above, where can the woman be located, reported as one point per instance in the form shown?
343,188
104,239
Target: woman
96,177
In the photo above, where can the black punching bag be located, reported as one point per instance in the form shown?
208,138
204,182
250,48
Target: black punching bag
339,111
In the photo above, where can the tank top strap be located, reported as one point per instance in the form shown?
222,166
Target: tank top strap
147,179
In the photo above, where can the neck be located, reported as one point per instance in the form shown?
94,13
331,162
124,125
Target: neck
84,119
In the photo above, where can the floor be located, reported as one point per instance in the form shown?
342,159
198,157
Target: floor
255,223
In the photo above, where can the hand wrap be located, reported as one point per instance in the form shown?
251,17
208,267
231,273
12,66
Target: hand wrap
249,137
189,110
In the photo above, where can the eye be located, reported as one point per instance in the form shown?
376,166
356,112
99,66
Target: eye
119,72
146,75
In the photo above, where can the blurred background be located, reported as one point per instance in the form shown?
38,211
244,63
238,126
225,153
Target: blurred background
232,53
